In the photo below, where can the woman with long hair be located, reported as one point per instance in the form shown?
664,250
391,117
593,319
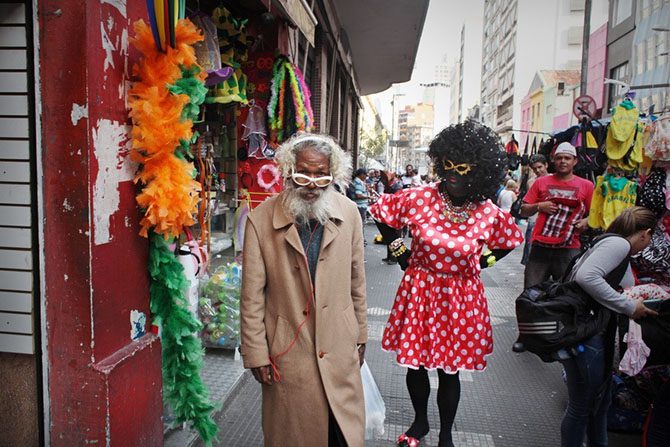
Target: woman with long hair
599,272
440,319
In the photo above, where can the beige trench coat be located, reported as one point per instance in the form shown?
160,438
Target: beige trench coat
321,368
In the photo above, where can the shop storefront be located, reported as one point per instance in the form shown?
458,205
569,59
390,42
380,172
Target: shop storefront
88,230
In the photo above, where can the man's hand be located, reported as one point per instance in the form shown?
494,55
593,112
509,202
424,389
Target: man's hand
361,354
582,224
263,375
642,311
547,207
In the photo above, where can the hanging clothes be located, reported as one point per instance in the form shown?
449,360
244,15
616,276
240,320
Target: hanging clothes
658,147
611,196
512,147
622,146
255,133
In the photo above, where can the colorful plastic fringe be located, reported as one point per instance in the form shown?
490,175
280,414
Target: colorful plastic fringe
163,104
289,109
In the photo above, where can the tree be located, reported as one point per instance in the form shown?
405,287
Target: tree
373,143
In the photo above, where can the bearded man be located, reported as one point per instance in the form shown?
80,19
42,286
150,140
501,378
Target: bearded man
303,306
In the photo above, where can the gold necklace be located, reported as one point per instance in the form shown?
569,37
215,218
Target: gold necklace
456,214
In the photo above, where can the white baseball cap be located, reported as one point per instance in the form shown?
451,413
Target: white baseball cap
565,148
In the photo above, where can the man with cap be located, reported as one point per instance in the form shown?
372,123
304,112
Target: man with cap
562,201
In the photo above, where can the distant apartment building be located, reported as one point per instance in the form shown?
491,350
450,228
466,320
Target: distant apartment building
415,126
465,85
638,40
521,37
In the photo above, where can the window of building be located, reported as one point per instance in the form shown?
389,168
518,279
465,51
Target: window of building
575,35
576,5
639,57
621,10
651,53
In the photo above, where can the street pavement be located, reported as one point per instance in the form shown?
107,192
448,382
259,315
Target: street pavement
517,401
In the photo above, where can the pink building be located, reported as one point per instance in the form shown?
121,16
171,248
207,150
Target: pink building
597,65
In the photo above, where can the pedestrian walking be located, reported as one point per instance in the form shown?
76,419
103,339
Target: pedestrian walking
562,201
598,272
391,185
538,164
303,303
507,196
410,178
440,317
361,195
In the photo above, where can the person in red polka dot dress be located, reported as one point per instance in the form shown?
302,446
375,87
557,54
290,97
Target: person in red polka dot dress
440,318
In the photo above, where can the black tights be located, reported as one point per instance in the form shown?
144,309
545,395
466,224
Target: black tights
448,395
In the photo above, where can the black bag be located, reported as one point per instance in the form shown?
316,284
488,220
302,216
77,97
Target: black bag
558,315
515,210
552,316
351,191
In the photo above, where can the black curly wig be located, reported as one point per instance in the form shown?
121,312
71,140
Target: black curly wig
471,142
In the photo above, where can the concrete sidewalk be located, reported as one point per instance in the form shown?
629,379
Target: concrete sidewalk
517,401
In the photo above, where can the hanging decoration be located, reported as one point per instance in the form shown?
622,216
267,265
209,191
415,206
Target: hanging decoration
163,104
163,18
289,109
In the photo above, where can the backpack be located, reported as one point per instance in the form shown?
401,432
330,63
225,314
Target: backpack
557,315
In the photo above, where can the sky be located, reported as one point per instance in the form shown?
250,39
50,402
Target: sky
441,37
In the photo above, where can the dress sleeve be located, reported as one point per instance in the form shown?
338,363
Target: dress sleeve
391,209
505,234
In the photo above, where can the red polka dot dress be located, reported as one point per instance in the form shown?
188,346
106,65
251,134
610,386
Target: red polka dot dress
440,316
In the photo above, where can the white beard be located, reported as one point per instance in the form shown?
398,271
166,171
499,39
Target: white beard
302,211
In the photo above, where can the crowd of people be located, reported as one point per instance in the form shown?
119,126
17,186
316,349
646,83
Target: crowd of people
303,306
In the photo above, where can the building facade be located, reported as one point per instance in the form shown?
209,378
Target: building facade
521,37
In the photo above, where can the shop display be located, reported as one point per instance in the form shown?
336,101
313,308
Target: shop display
163,103
219,307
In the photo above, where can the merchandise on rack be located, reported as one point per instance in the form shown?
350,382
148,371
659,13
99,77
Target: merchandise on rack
219,306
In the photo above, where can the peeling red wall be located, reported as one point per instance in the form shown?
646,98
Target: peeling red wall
102,386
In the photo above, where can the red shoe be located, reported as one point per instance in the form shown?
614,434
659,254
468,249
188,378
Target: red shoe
407,441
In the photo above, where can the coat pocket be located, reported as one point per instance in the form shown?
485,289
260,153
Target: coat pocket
280,338
350,321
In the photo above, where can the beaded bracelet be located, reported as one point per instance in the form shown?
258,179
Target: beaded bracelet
396,243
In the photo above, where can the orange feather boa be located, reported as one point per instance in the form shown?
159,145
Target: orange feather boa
170,194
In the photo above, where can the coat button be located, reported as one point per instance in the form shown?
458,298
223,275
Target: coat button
304,312
297,267
321,354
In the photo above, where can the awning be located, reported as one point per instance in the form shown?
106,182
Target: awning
384,37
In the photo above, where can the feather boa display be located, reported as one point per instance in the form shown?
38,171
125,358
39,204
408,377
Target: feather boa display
163,104
161,110
289,108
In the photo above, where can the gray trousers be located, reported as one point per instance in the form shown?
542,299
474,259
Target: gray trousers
545,262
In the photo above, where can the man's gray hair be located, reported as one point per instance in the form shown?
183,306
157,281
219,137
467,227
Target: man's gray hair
340,161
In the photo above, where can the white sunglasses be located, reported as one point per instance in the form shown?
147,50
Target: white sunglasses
305,180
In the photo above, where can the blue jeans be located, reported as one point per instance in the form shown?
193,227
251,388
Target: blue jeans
589,396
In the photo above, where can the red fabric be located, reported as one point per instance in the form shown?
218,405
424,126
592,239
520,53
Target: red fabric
569,195
440,315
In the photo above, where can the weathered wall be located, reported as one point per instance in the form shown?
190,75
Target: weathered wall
103,387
